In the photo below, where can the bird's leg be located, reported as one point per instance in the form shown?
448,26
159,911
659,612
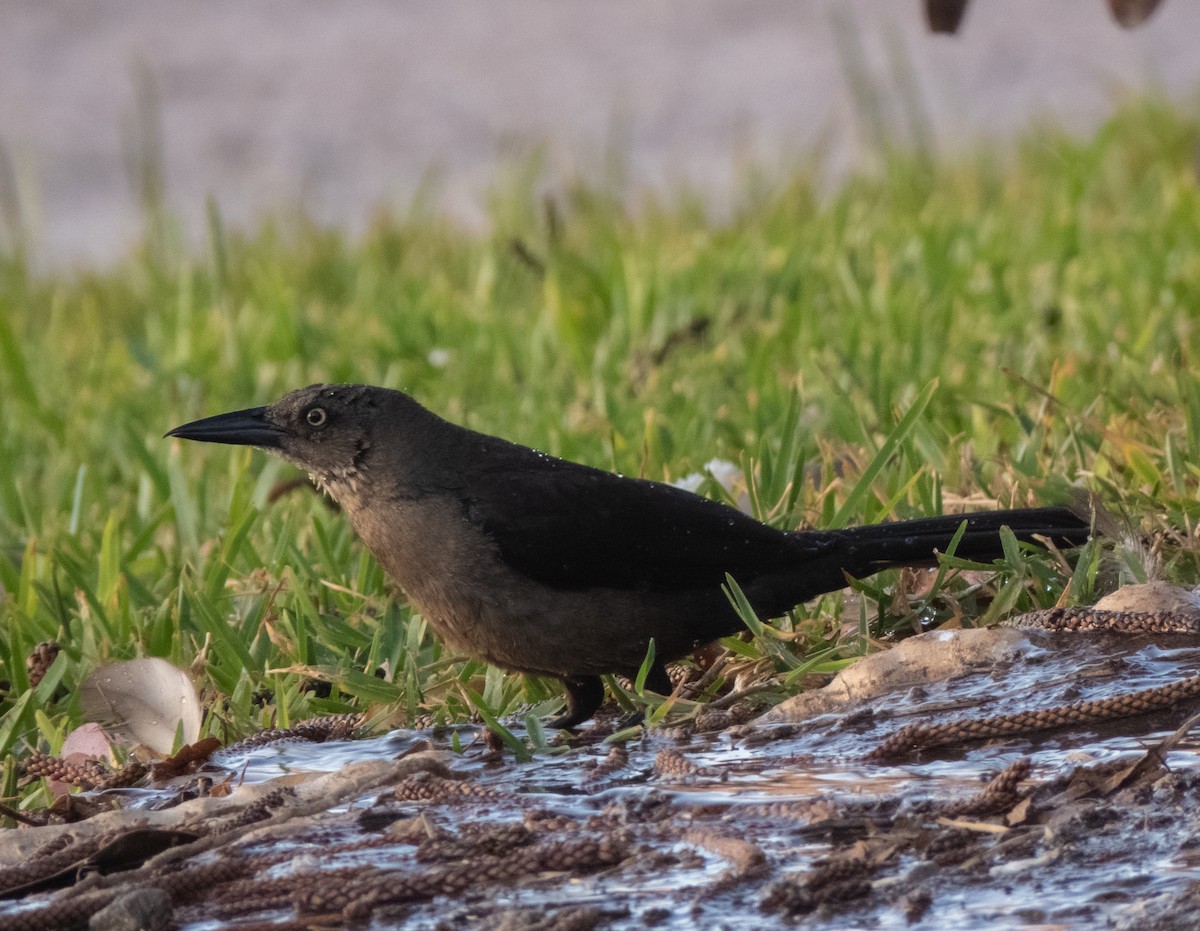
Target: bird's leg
584,696
658,681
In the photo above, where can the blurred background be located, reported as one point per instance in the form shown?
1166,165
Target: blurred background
107,108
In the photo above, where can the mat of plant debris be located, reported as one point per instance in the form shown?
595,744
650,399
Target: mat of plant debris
757,825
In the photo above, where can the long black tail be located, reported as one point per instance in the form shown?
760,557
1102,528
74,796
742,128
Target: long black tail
914,542
821,559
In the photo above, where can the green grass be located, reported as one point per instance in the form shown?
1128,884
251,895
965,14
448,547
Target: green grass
984,327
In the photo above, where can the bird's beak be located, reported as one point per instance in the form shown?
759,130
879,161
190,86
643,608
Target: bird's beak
242,428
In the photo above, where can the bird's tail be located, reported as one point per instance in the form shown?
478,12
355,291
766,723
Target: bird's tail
917,542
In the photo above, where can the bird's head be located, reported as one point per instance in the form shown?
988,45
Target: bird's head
324,429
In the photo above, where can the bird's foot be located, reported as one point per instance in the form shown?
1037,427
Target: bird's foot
585,694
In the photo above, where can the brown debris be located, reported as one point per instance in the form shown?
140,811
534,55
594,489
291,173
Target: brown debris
999,796
74,909
126,777
38,663
617,759
187,760
914,737
672,763
916,904
952,846
812,811
428,787
493,741
314,730
385,862
1129,622
710,719
571,918
829,881
85,774
249,895
540,820
747,860
357,899
235,884
51,860
60,915
490,840
260,810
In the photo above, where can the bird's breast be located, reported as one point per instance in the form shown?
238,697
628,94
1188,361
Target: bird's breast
446,566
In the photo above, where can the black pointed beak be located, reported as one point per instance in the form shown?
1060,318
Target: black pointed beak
242,428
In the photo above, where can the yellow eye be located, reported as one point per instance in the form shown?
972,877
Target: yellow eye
315,416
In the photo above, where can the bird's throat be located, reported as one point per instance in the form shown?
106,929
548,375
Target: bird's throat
345,486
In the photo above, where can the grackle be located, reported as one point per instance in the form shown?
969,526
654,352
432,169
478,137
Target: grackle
544,566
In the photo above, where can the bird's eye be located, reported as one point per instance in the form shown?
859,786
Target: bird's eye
315,416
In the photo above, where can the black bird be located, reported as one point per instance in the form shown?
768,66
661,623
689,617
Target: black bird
545,566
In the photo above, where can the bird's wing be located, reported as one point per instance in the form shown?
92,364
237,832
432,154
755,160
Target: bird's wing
574,527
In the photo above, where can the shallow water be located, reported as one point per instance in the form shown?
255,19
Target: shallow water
825,761
756,810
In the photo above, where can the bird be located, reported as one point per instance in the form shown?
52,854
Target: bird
549,567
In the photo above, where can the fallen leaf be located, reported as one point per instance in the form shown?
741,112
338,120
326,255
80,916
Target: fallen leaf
146,700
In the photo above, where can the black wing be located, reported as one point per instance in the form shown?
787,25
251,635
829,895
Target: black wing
569,526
